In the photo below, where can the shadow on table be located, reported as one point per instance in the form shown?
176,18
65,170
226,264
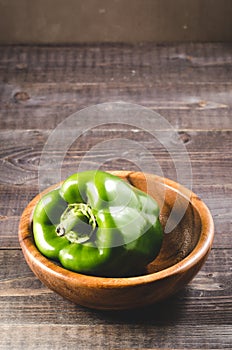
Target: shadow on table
163,313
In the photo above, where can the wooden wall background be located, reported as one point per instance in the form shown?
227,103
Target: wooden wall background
73,21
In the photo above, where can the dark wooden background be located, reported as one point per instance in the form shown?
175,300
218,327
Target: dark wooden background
188,84
78,21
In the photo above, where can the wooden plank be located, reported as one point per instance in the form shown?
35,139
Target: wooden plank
20,154
20,159
183,113
37,63
48,110
200,170
160,95
131,336
196,141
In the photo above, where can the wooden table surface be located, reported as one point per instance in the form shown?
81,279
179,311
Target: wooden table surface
190,85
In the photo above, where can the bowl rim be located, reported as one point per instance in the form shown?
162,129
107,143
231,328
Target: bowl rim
199,252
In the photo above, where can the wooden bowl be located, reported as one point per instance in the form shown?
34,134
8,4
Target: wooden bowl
183,252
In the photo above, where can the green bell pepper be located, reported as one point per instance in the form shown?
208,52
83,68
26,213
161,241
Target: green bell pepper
98,224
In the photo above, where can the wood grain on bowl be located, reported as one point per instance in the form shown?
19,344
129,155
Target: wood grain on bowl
183,252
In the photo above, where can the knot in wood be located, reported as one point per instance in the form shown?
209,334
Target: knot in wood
21,96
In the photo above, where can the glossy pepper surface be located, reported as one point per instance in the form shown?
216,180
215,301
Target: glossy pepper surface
98,224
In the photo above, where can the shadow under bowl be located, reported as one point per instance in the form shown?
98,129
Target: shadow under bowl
188,237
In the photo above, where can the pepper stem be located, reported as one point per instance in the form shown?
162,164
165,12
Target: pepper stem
77,223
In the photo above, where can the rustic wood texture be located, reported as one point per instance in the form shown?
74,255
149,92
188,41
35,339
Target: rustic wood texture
188,84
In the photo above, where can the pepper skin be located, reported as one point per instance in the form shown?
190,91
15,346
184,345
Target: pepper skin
98,224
